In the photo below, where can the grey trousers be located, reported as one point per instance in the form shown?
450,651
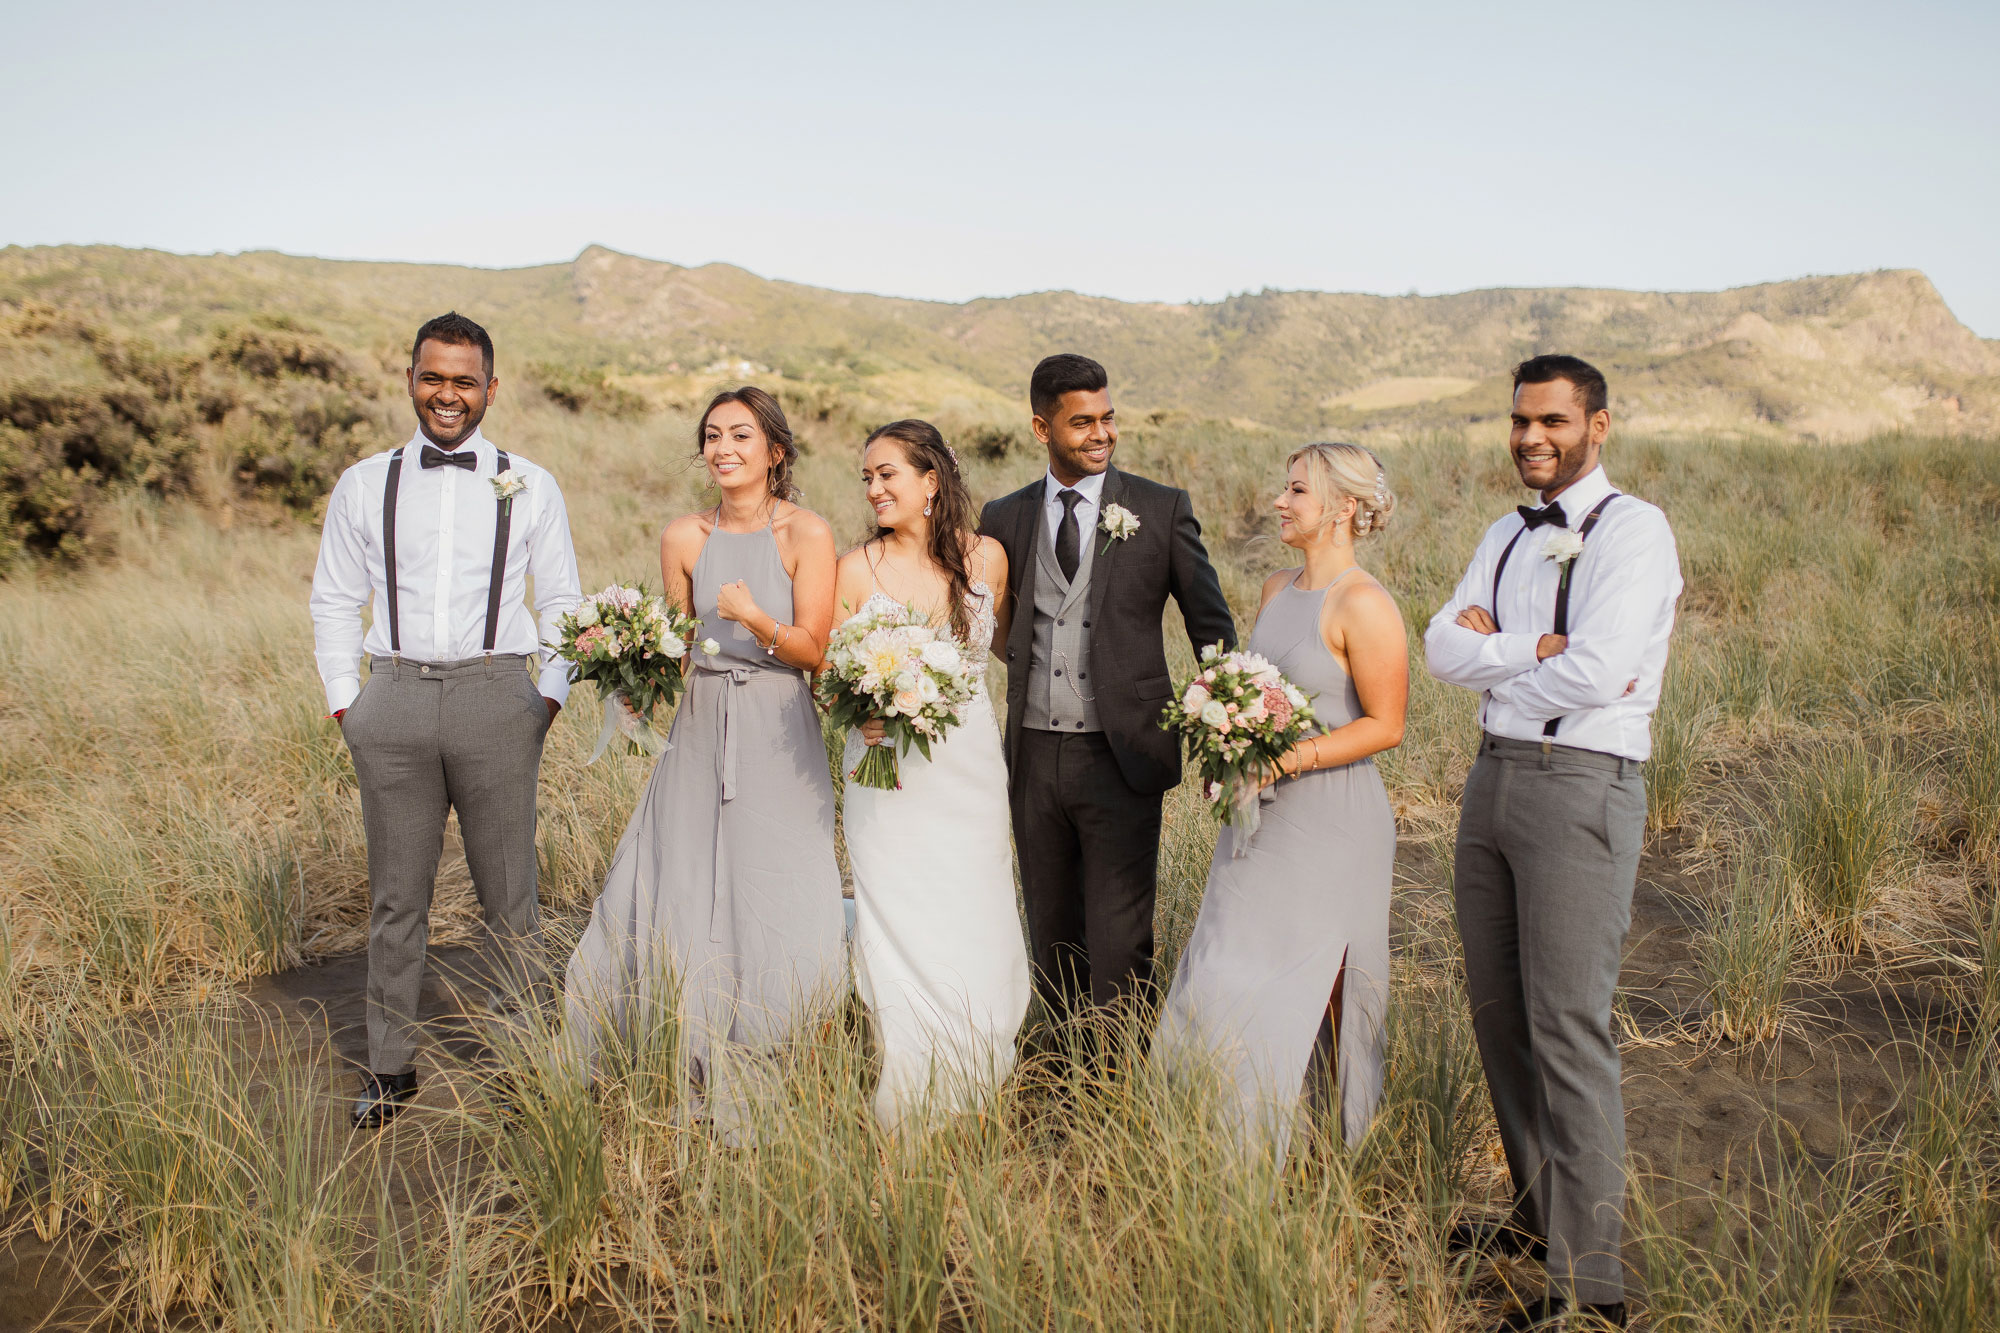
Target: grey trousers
1548,851
428,738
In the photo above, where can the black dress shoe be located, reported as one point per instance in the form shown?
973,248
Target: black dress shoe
382,1097
1553,1312
1469,1237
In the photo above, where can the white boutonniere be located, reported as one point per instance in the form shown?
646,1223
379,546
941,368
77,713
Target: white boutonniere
1562,546
507,485
1118,523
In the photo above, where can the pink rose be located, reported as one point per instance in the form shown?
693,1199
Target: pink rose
909,702
588,641
1277,706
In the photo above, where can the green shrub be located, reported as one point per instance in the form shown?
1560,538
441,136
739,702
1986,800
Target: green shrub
87,415
580,390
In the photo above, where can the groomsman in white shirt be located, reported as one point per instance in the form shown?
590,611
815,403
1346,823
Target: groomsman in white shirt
1561,623
443,533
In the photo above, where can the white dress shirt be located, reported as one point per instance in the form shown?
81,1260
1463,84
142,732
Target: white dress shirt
1090,488
444,557
1621,613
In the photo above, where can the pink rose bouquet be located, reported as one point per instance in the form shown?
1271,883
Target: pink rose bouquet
635,649
1237,716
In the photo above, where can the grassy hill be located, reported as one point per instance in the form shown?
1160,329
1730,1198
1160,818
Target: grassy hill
1818,358
261,374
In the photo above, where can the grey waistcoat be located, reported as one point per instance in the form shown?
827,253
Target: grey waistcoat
1059,689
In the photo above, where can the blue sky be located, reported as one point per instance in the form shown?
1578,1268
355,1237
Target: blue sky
1149,152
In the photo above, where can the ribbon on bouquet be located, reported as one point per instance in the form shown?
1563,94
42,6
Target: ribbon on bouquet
621,719
1247,802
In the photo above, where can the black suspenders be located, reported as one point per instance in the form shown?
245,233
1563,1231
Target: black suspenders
1562,585
502,524
504,520
389,548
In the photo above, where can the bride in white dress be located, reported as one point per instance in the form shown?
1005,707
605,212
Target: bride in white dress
938,952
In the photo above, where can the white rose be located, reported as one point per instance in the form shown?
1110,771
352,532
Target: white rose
711,647
1561,545
586,615
927,688
1213,713
673,645
1195,697
942,655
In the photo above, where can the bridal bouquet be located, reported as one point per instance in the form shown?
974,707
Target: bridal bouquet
886,663
634,648
1238,716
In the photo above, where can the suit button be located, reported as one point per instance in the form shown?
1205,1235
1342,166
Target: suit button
1086,624
1058,671
1079,726
1083,675
1059,622
426,670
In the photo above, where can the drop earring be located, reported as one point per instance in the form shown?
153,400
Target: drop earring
927,507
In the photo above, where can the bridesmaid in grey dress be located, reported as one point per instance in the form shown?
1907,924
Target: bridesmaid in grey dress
1282,989
724,886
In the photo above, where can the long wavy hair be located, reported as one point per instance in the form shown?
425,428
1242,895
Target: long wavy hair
770,420
952,523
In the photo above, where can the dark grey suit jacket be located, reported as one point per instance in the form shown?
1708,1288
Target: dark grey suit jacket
1130,582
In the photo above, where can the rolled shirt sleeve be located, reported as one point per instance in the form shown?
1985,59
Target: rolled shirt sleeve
1460,656
552,564
340,589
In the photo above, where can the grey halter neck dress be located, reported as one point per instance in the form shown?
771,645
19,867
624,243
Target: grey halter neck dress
1249,999
724,886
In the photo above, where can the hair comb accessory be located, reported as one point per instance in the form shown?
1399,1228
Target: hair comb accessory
1381,489
953,453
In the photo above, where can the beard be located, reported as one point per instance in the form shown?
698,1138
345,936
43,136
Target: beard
1076,461
474,414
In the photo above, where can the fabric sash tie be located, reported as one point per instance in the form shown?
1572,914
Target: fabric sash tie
731,732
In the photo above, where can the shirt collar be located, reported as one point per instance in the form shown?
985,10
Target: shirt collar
1583,493
1090,488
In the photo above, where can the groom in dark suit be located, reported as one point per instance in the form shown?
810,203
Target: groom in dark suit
1093,554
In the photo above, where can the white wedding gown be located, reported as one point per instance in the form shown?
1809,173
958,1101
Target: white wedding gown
938,952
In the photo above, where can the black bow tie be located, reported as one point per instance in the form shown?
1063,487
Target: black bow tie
1534,518
436,457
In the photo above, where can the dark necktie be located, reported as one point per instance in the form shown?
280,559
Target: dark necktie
1066,533
436,457
1554,514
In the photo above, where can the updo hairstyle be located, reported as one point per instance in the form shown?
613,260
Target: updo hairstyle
1334,472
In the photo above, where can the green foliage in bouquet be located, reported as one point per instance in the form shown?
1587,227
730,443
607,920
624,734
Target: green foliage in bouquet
887,663
1237,716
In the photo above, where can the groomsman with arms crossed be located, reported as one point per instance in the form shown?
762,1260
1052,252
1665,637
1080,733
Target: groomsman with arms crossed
1561,622
443,533
1093,554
